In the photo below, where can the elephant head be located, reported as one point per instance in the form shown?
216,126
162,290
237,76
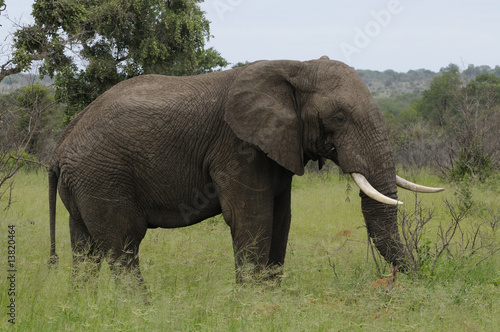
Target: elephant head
299,111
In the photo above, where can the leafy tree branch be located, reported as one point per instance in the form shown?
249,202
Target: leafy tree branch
89,46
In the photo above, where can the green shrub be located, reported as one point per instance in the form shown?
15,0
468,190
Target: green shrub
23,161
471,162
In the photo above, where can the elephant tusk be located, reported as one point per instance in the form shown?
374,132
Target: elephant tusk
405,184
368,189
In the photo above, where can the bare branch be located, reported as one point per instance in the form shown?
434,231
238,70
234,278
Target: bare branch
332,264
4,71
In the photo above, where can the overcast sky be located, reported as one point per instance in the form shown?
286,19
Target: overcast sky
365,34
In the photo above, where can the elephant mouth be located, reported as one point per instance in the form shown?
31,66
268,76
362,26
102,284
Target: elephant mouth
333,156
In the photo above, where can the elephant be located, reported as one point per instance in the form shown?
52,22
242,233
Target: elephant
161,151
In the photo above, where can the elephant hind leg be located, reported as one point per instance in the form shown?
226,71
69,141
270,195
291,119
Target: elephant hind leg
119,230
123,258
86,254
125,268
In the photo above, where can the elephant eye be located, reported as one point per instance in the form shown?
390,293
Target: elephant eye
340,119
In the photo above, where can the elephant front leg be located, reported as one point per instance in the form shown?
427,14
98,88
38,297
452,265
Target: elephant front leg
250,219
281,228
247,189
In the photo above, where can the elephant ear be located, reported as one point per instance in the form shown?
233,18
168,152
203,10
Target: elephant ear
262,110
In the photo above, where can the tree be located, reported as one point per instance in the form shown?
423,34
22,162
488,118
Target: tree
450,68
467,117
22,114
453,126
472,71
45,127
486,89
92,45
475,128
439,101
240,64
2,7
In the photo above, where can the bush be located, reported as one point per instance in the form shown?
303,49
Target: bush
471,162
465,236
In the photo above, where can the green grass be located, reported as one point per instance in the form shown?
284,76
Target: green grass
190,274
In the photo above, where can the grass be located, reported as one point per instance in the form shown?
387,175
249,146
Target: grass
190,274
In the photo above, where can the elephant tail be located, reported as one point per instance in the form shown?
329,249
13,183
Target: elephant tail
53,180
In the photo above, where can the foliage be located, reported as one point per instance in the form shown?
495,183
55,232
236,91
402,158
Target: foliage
474,129
485,88
471,161
32,97
2,6
392,106
472,71
240,64
24,161
388,84
452,126
37,110
30,122
439,101
111,41
391,84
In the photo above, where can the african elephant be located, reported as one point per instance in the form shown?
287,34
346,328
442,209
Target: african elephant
158,151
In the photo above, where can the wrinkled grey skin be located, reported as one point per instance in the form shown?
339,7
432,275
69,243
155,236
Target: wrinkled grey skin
157,151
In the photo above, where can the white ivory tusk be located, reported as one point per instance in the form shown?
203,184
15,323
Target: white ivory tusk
368,189
405,184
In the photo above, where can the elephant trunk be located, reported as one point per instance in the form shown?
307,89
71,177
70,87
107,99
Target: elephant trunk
381,222
381,219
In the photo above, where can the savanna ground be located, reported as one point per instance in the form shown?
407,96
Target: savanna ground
327,285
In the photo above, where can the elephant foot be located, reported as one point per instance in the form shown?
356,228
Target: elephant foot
53,261
270,275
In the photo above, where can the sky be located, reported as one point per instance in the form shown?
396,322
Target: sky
366,34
